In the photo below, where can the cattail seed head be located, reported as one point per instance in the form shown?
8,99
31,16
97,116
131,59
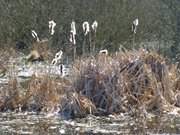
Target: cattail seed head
105,51
94,26
57,58
72,38
134,25
86,28
35,36
52,25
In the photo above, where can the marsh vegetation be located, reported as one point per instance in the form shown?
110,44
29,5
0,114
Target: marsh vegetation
85,64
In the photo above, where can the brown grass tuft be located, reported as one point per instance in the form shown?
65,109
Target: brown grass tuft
126,80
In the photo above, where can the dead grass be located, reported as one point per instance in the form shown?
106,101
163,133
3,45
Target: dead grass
6,54
101,85
45,94
126,80
44,50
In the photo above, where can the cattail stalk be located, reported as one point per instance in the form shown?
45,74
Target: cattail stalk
94,28
73,39
90,44
134,30
86,30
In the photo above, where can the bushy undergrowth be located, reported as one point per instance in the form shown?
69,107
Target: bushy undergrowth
124,82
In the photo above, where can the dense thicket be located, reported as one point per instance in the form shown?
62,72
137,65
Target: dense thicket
159,22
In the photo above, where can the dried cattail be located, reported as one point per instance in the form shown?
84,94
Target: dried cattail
105,51
52,25
73,27
54,62
35,36
59,55
134,25
72,38
86,28
57,58
94,26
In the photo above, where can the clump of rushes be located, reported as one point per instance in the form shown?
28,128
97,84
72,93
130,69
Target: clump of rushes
45,94
124,82
130,79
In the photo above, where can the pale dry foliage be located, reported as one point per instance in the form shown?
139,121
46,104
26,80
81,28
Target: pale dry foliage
101,85
44,50
6,54
44,94
126,80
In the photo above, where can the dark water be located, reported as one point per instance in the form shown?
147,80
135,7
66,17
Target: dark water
39,124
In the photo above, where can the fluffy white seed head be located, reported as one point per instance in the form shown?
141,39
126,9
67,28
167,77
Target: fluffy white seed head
57,58
94,26
136,22
105,51
59,55
52,25
54,61
73,28
35,36
72,38
134,25
86,28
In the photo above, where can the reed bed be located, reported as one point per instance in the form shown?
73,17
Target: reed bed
128,80
44,94
124,82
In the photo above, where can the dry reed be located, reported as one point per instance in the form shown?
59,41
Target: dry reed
101,85
127,80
